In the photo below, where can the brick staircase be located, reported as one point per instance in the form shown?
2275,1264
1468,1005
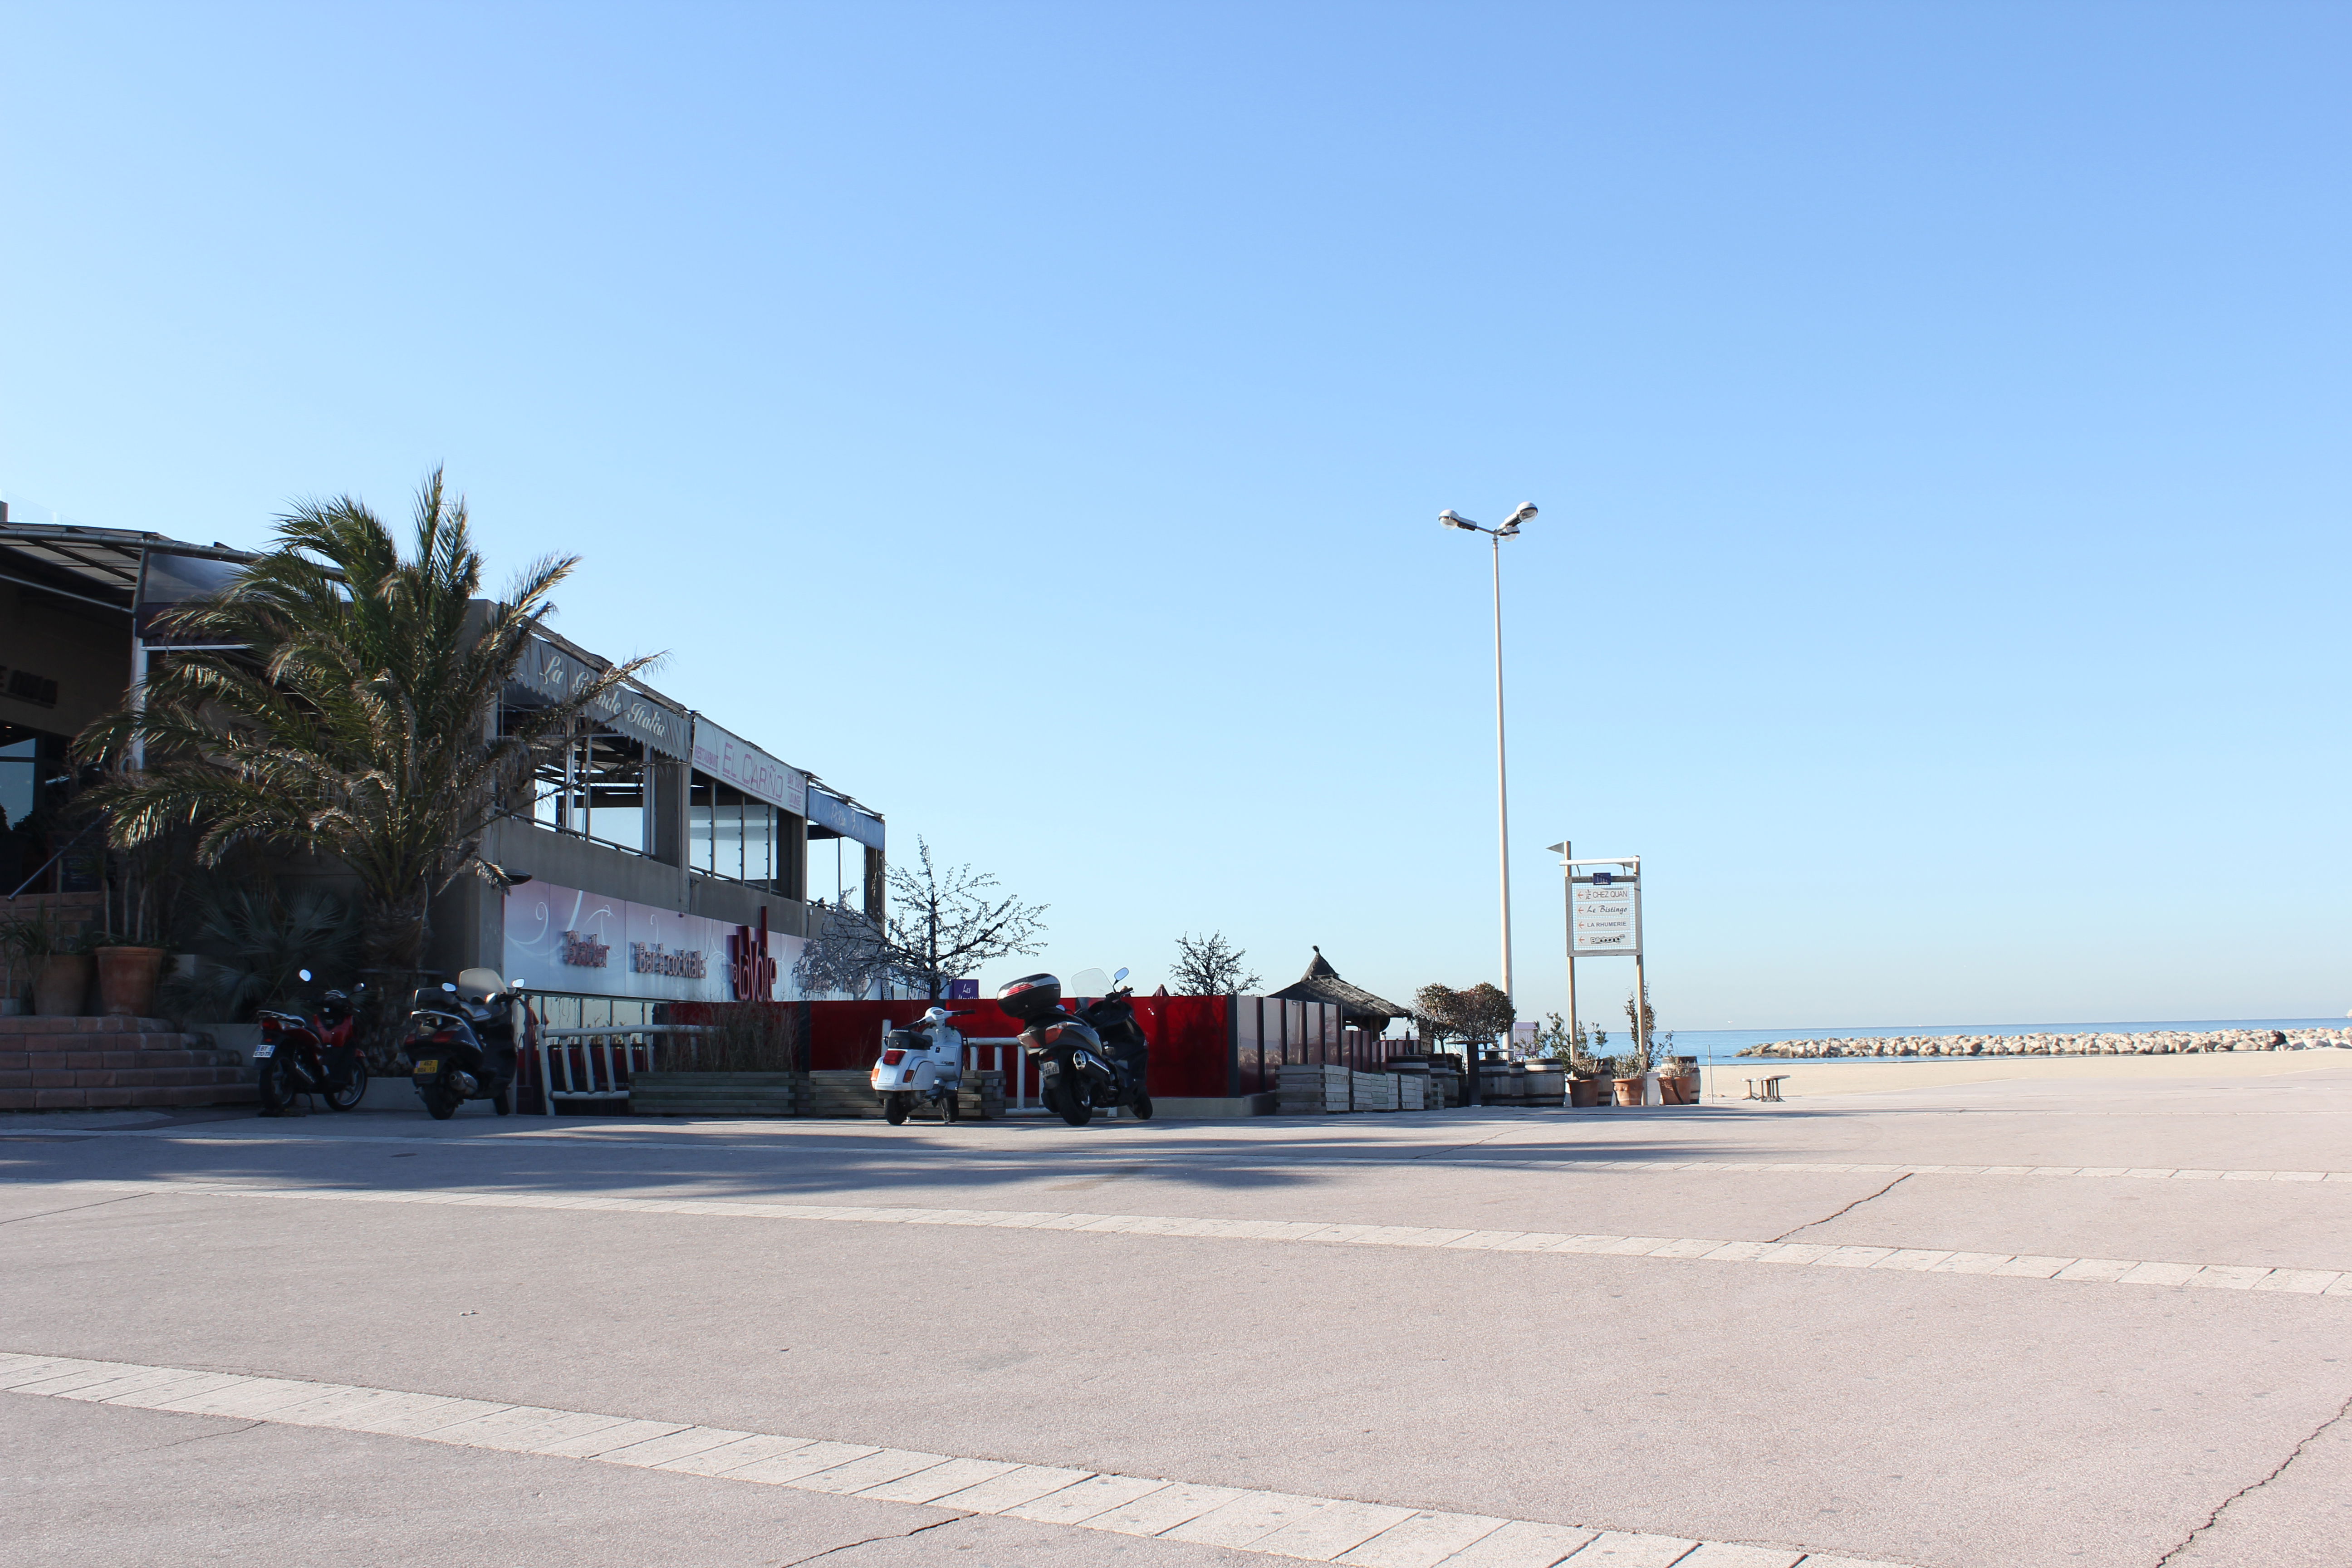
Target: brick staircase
106,1064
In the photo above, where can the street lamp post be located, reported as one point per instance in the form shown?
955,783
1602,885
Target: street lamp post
1511,530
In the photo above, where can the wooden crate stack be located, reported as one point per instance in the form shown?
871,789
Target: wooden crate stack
712,1094
1312,1090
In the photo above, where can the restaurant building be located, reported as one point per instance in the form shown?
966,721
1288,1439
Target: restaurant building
667,856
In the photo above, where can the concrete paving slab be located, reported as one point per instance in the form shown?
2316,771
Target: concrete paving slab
1422,1540
949,1476
1334,1528
1248,1519
795,1463
1081,1500
1620,1548
1523,1544
729,1457
104,1486
1163,1509
873,1469
1021,1483
658,1452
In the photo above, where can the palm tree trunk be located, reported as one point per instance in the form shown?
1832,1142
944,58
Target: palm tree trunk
393,931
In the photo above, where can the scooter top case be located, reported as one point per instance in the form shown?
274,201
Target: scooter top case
1029,998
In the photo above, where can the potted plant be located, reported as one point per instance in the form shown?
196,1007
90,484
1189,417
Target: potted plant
60,963
1685,1072
14,965
1630,1073
128,973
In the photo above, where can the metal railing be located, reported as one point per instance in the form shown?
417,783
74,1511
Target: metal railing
596,1063
594,1049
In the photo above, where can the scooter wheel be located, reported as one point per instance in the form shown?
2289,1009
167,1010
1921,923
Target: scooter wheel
894,1109
1077,1107
950,1108
503,1102
442,1103
274,1085
1142,1108
353,1089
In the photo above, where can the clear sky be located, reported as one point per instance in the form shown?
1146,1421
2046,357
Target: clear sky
1035,419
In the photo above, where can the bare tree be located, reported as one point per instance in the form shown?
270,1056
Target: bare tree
846,951
1210,966
942,925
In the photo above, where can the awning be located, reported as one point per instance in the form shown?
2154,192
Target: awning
842,820
732,760
551,673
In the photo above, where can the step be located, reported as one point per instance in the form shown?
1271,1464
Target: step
125,1078
41,1062
85,1025
158,1097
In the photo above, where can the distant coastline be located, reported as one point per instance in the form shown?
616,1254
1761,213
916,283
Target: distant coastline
1910,1042
2148,1042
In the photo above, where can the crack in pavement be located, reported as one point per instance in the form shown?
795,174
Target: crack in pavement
1848,1209
76,1208
2223,1507
892,1535
200,1437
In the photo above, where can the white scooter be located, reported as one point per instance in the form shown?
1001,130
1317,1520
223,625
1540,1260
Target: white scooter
921,1063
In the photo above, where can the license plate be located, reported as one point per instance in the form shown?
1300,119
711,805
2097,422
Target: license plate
264,1049
428,1067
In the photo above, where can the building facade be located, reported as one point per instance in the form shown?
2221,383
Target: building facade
658,857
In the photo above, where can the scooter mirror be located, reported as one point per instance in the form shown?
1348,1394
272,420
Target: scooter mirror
1114,979
305,974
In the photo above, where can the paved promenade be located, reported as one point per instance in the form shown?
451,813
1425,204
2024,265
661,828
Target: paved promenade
1965,1325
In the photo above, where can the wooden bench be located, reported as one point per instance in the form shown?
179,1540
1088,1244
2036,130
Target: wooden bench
1766,1088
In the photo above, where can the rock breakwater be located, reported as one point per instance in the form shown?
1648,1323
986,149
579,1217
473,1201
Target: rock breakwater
2158,1042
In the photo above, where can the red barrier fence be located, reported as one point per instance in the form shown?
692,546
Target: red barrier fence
1209,1048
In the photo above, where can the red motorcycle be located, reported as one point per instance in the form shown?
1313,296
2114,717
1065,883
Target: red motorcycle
300,1056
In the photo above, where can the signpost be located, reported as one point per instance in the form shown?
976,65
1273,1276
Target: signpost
1604,920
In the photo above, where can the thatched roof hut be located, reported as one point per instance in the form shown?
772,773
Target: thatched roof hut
1359,1008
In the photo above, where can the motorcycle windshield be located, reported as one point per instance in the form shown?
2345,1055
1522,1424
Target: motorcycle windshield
1087,983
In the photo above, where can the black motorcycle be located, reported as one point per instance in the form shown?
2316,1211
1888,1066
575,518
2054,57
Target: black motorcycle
1093,1059
299,1056
461,1044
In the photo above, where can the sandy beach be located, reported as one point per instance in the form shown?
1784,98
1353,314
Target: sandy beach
1728,1080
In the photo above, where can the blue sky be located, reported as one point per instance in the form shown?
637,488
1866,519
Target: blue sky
1035,419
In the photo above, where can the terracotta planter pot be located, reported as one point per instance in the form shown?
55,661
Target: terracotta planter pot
61,984
1689,1082
1629,1091
126,980
1584,1091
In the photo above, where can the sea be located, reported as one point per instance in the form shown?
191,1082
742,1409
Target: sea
1724,1045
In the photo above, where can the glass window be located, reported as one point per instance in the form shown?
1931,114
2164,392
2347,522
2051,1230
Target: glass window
731,834
19,781
592,783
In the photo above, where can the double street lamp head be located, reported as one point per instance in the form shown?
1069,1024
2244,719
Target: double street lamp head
1525,513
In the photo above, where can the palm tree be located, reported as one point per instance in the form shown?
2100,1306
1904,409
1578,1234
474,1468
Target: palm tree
343,707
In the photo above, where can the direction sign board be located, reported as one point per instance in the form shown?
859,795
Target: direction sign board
1607,916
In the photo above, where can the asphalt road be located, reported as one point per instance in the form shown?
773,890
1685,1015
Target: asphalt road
1906,1415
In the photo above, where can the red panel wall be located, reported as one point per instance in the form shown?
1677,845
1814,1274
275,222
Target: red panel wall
1188,1036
